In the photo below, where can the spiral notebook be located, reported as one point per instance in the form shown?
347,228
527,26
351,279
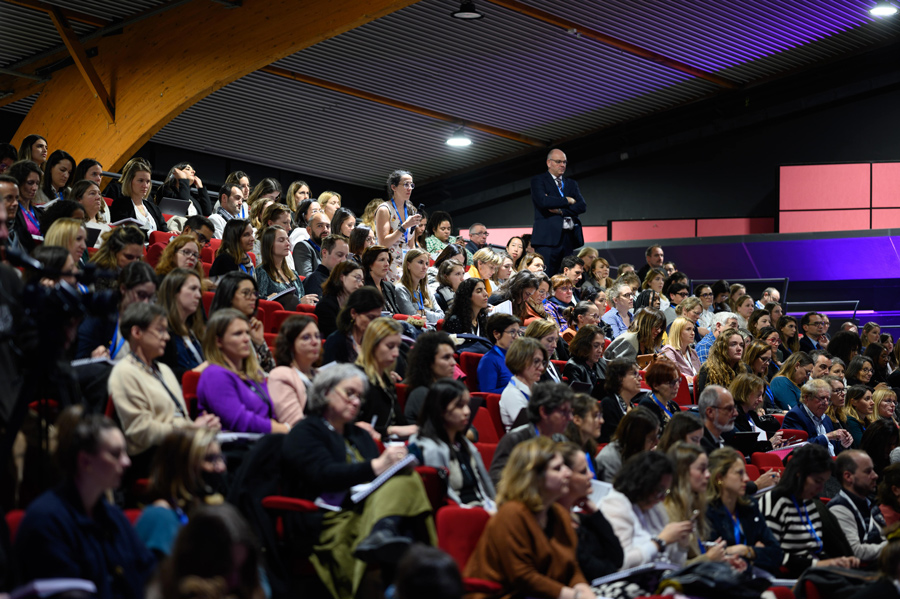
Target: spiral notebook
360,492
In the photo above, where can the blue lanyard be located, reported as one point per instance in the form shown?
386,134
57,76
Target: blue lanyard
701,546
660,404
405,216
315,245
244,268
421,301
559,188
804,515
590,464
114,347
29,214
738,532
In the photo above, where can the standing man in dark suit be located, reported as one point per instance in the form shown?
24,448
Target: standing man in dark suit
557,204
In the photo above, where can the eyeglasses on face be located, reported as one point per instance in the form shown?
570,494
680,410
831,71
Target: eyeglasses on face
189,254
247,293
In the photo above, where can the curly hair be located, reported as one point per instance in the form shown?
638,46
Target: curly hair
421,358
114,241
718,370
169,262
462,303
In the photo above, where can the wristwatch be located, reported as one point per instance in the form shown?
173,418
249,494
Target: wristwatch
659,543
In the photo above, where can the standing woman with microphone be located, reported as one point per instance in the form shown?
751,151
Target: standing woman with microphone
396,219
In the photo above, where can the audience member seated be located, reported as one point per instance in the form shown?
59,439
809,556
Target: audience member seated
684,426
326,455
813,325
33,147
334,251
438,229
182,183
135,201
430,359
653,280
680,348
675,293
308,253
623,392
785,385
743,308
563,293
529,546
441,443
517,291
637,431
493,375
233,254
344,278
232,385
450,253
634,509
275,276
532,261
362,307
860,371
504,272
734,518
549,412
724,361
584,430
57,172
413,297
177,488
879,356
361,239
70,234
546,332
856,473
72,531
96,212
484,264
118,248
449,277
99,336
759,320
230,207
720,322
342,223
619,315
790,338
238,290
644,336
747,391
885,400
377,358
181,252
525,359
664,379
888,496
376,263
859,412
719,411
586,363
807,533
181,297
303,213
297,350
583,313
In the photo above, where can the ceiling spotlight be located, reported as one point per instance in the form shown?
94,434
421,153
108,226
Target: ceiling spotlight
459,139
467,11
883,9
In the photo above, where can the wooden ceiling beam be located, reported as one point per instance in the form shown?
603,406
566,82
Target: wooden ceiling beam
71,15
370,97
20,92
76,50
597,36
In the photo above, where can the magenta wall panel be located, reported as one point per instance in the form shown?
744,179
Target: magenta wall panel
823,220
652,229
823,186
720,227
886,185
500,235
886,218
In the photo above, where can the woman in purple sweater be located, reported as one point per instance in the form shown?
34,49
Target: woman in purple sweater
232,385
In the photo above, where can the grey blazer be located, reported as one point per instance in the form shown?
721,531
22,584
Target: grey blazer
437,454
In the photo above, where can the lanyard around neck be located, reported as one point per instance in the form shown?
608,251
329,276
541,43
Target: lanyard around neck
405,217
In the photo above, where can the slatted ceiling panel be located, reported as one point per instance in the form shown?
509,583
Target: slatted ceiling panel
109,9
305,130
22,106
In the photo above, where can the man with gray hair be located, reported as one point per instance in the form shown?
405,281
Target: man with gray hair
720,322
478,236
809,415
769,295
860,519
718,410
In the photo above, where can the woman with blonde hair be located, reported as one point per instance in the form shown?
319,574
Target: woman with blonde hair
377,359
234,253
68,233
485,263
330,201
96,212
724,361
297,192
136,184
181,252
413,296
528,546
886,405
747,390
680,348
180,294
547,333
266,189
232,385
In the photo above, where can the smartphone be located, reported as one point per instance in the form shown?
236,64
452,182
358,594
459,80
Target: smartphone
421,208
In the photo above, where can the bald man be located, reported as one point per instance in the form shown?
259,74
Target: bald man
557,204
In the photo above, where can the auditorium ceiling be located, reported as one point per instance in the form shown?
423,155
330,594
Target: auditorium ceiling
529,74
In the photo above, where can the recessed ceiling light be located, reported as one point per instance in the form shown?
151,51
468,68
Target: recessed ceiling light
459,139
467,11
883,9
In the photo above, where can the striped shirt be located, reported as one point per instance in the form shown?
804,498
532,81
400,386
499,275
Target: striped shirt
792,527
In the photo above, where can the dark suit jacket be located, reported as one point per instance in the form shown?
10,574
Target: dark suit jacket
798,419
545,196
708,442
123,208
306,258
474,247
326,311
807,345
314,282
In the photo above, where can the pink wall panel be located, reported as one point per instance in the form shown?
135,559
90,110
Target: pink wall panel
500,235
592,234
886,185
886,218
652,229
824,220
821,186
718,227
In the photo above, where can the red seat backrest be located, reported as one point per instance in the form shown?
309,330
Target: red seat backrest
779,418
269,308
207,254
214,244
458,531
766,461
206,268
435,481
402,391
752,471
487,452
439,325
207,298
492,402
189,391
468,361
13,520
161,237
793,435
306,308
487,432
683,398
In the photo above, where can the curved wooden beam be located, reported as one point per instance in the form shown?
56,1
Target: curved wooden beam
161,66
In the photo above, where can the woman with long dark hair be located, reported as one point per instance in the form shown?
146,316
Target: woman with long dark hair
517,290
644,336
449,277
376,263
182,183
298,348
238,290
57,177
234,253
468,314
638,431
345,278
180,294
362,307
430,359
34,148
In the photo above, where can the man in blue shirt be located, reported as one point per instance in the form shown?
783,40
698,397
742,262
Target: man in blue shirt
721,321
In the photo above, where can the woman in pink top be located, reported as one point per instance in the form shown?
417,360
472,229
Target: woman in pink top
297,349
680,347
